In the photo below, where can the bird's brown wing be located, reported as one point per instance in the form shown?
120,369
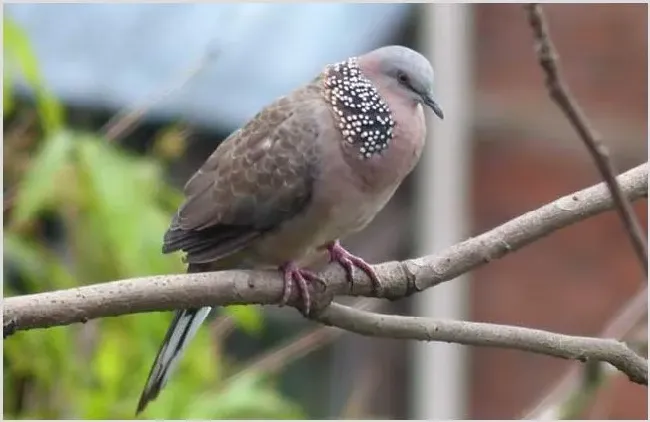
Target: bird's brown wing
257,178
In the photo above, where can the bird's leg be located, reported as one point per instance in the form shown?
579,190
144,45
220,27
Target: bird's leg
348,261
296,276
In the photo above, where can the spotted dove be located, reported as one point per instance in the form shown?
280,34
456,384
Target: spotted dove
307,170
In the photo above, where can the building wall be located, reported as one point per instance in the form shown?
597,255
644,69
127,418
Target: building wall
576,279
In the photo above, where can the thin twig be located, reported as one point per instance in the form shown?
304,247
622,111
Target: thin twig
490,335
294,349
559,92
222,326
8,200
364,385
278,358
593,377
122,123
634,311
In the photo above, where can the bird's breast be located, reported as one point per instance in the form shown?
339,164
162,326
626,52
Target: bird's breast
384,171
347,194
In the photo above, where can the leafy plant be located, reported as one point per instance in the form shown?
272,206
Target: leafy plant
113,208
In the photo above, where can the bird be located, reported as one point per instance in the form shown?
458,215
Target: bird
309,169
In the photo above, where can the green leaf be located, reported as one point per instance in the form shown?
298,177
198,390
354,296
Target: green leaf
25,352
122,214
40,267
27,259
108,363
38,188
7,94
247,317
19,55
246,398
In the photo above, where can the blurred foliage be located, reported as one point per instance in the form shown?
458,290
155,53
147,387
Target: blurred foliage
112,209
579,400
19,57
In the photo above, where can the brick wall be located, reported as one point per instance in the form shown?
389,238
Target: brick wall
574,280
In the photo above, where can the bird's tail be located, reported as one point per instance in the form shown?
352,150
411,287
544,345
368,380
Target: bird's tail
182,329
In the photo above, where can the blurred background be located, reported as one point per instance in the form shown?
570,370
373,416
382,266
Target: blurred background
108,109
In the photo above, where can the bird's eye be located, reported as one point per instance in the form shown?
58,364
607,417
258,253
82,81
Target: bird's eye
402,77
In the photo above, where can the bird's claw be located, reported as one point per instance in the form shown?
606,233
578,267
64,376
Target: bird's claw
300,277
348,261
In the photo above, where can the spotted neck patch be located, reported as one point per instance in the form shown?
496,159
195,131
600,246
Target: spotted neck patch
363,117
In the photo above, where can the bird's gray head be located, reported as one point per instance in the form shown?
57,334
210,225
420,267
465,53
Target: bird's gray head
354,90
406,72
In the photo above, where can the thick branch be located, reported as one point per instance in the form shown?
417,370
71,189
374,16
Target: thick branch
559,92
482,334
399,279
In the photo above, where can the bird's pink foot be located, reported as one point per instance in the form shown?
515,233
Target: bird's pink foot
295,276
348,261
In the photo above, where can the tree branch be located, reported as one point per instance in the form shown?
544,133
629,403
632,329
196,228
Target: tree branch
297,347
559,92
551,406
493,335
124,122
399,279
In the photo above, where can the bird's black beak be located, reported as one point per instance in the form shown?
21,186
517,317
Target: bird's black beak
430,102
